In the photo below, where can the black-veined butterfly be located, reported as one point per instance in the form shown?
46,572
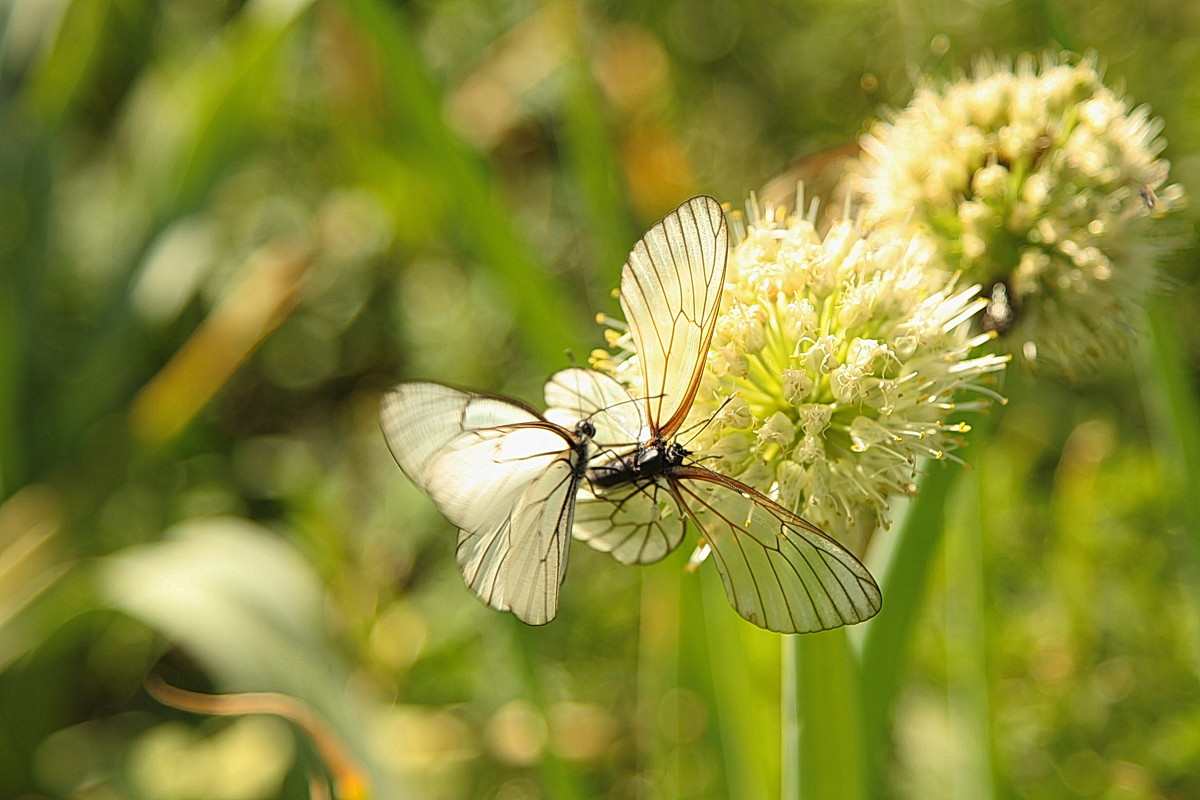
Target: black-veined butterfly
502,473
641,486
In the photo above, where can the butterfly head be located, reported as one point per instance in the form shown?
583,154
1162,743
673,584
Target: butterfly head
676,453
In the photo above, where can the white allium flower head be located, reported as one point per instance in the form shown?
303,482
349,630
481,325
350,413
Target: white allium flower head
837,363
1040,183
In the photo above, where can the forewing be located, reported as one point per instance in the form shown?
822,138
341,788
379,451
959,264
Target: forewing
670,292
491,470
637,523
574,394
780,572
516,559
505,476
420,420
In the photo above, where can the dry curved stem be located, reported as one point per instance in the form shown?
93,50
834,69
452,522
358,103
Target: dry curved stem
349,778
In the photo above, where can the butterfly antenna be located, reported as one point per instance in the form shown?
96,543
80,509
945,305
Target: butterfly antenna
634,400
621,403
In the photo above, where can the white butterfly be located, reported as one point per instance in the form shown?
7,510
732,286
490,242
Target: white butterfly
505,476
780,571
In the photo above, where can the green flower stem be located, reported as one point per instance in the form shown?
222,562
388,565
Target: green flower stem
966,641
883,642
1174,410
789,704
830,752
744,722
659,647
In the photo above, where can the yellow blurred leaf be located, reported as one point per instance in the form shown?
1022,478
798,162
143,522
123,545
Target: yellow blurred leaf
233,331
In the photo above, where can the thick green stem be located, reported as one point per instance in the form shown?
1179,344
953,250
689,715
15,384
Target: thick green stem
884,639
1173,410
966,644
830,717
789,704
744,719
883,642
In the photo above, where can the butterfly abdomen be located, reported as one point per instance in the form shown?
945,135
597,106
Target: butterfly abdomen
617,472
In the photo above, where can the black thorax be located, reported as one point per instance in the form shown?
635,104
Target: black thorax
647,462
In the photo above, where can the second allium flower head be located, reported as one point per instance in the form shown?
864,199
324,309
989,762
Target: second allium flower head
1039,182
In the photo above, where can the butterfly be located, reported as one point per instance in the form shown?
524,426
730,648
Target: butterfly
641,485
505,475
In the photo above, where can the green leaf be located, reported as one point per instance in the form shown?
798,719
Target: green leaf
248,608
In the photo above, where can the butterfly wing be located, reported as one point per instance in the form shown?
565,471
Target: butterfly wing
513,550
671,288
421,419
780,572
575,393
505,476
638,522
670,292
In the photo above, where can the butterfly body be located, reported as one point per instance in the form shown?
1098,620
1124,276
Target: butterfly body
648,462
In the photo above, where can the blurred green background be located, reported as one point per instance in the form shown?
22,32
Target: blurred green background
226,227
